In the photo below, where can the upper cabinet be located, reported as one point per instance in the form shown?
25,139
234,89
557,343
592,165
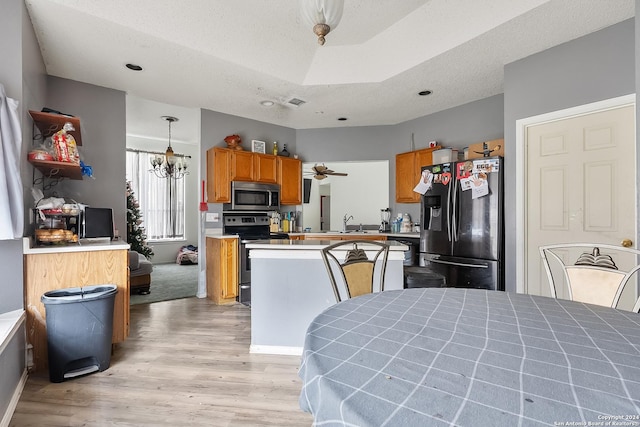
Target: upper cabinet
218,175
290,180
225,165
45,125
265,168
408,169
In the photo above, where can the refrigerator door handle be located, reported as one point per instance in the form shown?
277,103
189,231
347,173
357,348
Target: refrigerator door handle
454,216
448,213
459,264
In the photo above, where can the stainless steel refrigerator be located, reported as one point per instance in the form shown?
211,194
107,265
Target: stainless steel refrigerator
462,226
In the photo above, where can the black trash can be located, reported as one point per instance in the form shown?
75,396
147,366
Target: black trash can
79,329
420,277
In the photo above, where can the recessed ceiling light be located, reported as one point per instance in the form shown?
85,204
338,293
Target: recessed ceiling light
134,67
342,119
424,93
266,103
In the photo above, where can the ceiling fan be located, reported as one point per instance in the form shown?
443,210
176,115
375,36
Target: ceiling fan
321,172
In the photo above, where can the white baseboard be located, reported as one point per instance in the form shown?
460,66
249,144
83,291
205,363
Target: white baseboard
6,419
275,349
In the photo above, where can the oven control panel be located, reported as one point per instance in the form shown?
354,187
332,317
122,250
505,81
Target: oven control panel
245,220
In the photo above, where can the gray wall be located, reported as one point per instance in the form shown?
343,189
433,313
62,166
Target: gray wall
637,82
595,67
457,128
11,47
23,75
216,126
102,114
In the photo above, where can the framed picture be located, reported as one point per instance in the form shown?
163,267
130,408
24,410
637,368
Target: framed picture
258,146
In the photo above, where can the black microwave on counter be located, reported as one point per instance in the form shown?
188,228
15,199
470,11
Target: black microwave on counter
97,223
252,196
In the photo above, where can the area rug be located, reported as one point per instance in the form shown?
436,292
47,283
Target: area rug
170,281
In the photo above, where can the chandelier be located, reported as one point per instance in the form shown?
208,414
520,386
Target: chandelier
322,15
169,164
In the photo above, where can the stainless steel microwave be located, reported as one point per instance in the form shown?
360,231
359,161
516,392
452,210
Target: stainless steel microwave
252,196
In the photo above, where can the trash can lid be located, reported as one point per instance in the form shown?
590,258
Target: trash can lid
70,295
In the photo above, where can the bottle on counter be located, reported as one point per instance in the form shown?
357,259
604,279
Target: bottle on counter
292,222
275,148
397,223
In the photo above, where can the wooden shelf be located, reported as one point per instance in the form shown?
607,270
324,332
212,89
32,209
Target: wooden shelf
49,123
51,169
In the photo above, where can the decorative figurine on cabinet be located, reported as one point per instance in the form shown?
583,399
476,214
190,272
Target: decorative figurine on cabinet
233,142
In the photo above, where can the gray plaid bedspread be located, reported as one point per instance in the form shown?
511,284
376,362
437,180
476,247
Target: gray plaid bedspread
468,357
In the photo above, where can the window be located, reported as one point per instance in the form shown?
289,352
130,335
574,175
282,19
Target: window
161,199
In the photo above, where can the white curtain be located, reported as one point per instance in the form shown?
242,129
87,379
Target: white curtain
161,199
11,201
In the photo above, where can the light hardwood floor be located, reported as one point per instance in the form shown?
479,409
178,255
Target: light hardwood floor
186,363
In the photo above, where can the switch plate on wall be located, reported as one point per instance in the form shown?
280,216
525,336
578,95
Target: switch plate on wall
212,217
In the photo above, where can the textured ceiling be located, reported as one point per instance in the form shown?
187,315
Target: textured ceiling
227,56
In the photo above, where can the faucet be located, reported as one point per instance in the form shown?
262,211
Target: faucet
344,222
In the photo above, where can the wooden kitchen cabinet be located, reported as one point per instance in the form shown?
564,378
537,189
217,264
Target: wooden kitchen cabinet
408,168
367,237
222,270
265,168
344,236
223,166
218,175
242,165
49,271
290,180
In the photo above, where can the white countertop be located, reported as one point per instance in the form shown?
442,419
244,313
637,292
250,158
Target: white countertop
217,234
312,244
356,233
28,247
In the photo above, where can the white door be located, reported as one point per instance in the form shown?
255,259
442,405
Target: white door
580,185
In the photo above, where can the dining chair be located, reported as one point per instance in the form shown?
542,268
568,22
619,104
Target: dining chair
356,269
589,272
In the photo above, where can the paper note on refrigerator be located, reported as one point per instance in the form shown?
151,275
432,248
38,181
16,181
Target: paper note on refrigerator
424,185
479,187
466,183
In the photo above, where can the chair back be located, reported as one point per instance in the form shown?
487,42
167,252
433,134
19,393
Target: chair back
354,265
590,273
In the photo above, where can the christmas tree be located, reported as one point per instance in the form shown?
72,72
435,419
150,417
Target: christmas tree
136,236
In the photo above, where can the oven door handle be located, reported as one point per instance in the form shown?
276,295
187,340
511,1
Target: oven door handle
459,264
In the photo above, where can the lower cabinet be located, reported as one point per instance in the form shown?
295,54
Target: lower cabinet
368,237
52,271
222,270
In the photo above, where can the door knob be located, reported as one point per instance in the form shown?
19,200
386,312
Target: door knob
627,243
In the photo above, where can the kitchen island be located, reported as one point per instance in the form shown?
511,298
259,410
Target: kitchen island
290,287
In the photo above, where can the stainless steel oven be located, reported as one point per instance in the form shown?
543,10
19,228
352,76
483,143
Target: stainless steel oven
249,226
252,196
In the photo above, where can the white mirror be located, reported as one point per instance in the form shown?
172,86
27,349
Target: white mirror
361,194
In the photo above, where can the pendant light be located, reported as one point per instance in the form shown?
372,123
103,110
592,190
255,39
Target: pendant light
322,16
